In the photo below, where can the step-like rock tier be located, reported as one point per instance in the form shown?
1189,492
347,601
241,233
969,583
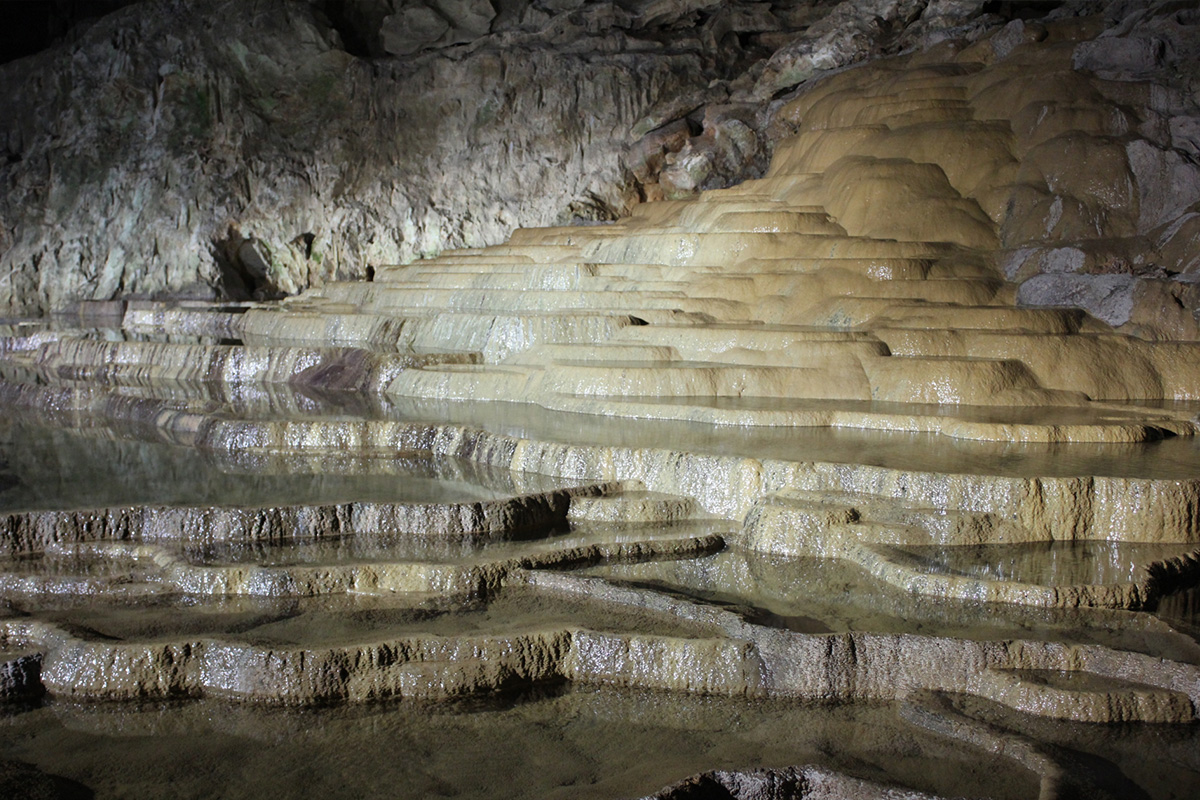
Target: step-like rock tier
794,441
868,266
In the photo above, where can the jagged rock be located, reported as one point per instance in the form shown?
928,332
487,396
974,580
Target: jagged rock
1106,297
276,134
439,24
949,20
853,31
842,38
668,11
726,150
758,784
790,783
1179,243
20,676
1122,56
1013,34
672,109
411,29
1168,184
646,160
471,18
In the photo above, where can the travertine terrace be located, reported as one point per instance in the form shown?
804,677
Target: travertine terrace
790,442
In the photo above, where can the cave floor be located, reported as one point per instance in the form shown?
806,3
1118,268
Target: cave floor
495,600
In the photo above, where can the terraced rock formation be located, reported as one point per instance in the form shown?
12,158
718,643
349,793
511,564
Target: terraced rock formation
788,448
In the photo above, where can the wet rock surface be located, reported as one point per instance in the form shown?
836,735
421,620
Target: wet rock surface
787,486
18,779
224,603
532,744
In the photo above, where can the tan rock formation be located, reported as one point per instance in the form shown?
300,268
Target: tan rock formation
798,440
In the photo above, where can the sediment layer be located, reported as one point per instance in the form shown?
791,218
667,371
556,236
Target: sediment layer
551,462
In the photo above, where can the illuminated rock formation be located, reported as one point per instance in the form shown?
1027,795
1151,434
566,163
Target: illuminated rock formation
802,440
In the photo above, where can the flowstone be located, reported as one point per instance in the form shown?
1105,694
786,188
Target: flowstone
778,487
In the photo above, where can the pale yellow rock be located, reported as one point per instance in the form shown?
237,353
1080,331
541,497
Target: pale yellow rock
861,282
882,216
1085,698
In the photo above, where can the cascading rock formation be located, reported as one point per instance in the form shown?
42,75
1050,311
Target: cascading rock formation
873,476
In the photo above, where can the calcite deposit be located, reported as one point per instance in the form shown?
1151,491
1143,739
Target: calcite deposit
873,475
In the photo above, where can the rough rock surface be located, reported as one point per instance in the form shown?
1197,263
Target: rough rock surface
193,146
286,503
792,783
211,147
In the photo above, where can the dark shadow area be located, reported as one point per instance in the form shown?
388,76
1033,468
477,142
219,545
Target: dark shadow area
243,267
18,779
30,26
1020,9
354,25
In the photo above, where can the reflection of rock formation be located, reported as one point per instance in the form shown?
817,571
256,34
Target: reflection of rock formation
530,745
790,440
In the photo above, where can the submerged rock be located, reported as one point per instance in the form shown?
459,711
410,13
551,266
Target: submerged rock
792,783
796,439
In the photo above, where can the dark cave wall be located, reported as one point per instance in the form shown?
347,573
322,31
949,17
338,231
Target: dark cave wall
28,27
234,148
219,148
201,147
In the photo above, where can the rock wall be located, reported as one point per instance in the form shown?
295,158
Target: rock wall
210,147
229,146
231,149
